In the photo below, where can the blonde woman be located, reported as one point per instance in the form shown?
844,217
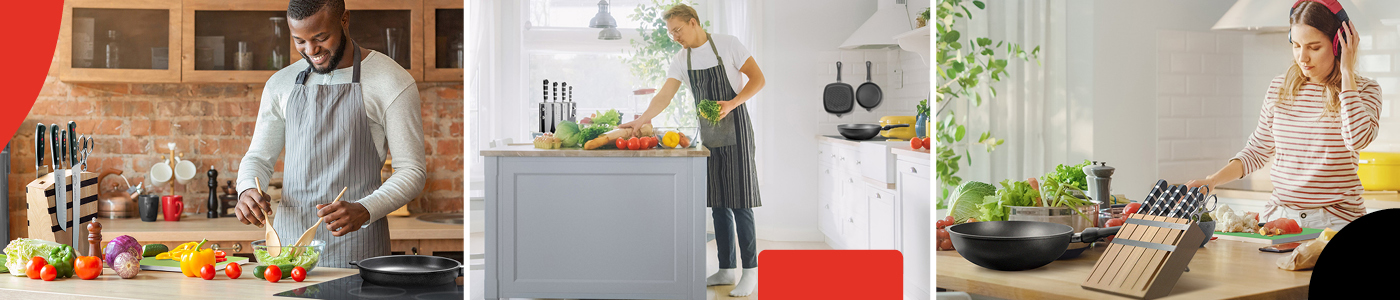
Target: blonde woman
712,72
1315,120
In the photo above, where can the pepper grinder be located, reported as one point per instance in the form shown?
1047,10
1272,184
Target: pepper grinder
228,200
95,239
213,211
1097,174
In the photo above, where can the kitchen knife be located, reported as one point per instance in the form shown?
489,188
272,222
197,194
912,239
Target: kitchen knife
544,115
1175,203
39,147
54,142
1157,201
1165,201
573,107
1184,206
1157,191
563,114
72,144
60,184
62,148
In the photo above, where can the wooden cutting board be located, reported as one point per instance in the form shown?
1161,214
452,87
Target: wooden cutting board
170,265
1255,237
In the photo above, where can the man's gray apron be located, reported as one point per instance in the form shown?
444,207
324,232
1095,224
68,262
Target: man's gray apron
329,147
733,177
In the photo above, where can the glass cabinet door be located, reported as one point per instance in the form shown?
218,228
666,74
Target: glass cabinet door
105,42
235,41
445,44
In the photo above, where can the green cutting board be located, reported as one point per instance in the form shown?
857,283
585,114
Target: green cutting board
170,265
1255,237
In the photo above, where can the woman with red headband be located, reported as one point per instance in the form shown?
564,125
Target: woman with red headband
1315,119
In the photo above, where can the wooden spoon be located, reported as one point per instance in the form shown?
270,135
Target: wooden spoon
311,232
274,244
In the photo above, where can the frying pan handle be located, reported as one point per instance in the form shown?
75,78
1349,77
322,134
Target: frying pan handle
355,263
867,70
1094,234
894,126
838,71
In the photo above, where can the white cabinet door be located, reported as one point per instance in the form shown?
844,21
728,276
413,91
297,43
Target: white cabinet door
882,220
857,226
914,202
827,192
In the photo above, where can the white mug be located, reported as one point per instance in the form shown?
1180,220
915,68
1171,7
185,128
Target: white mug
159,175
184,170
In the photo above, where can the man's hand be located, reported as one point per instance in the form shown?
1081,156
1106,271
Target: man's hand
725,107
342,217
253,207
635,125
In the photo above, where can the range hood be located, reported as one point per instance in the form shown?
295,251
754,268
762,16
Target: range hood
1255,15
891,18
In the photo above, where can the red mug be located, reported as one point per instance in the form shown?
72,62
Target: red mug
172,206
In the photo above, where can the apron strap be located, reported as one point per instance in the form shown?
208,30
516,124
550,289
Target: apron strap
355,66
711,41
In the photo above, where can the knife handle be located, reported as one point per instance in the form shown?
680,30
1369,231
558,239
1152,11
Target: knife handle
55,142
39,147
72,143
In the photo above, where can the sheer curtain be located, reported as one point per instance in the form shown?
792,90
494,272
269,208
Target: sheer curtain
481,59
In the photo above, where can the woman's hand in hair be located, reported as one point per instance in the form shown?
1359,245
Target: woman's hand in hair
1350,41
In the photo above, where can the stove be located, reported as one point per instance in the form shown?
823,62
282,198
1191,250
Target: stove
877,138
353,287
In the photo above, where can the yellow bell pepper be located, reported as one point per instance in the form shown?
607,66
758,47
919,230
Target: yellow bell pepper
191,261
179,251
670,140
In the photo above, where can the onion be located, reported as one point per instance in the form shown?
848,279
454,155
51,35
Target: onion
119,245
127,265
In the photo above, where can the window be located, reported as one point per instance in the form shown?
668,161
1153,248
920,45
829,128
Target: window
577,13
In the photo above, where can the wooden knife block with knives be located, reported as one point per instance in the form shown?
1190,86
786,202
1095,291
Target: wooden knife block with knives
42,209
1150,251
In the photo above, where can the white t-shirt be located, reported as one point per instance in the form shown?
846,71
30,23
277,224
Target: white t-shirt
733,52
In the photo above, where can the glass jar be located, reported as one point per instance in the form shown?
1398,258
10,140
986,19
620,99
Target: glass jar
277,58
113,50
243,60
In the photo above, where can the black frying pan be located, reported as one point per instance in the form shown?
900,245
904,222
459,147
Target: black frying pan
409,270
1018,245
869,94
863,131
838,98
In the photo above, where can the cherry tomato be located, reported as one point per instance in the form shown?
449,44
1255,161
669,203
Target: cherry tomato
298,274
33,268
87,267
945,245
942,234
621,143
940,224
221,259
233,270
916,143
220,254
949,220
48,273
272,274
207,272
1114,222
926,143
970,220
1132,208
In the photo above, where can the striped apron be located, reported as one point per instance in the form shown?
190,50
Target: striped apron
733,177
329,147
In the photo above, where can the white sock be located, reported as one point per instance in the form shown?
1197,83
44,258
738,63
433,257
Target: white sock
747,284
723,277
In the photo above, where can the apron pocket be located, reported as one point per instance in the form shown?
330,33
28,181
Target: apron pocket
712,135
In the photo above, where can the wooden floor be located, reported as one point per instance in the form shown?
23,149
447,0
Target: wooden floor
711,265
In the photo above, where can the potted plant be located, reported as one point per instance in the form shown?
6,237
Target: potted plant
923,17
921,124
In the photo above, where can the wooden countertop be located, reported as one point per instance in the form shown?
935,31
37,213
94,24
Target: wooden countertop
230,229
517,150
1223,269
162,285
1372,199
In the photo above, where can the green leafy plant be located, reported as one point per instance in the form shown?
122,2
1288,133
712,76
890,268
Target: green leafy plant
652,55
967,68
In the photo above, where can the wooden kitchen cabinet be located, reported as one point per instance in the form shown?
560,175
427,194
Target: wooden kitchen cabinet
147,34
444,41
369,21
229,22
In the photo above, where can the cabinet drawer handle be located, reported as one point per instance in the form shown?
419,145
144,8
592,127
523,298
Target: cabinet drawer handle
851,180
914,170
877,196
857,162
237,247
853,220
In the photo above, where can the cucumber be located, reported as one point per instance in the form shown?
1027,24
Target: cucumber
153,249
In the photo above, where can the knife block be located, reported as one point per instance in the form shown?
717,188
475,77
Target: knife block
42,210
1146,258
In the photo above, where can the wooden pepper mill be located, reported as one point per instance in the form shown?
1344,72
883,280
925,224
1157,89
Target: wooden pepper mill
95,239
213,211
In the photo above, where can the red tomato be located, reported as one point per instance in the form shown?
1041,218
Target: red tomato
48,273
233,270
926,143
942,234
634,144
87,267
949,219
298,274
220,254
1114,222
33,268
272,274
1132,208
207,272
970,220
916,143
945,245
622,143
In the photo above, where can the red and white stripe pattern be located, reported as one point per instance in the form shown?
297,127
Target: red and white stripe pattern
1314,156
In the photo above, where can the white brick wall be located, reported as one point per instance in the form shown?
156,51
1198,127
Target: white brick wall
897,101
1198,111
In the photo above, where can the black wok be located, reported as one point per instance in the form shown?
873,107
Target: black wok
1018,245
863,131
409,270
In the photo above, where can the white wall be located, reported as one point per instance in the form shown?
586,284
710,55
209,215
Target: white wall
798,59
1198,102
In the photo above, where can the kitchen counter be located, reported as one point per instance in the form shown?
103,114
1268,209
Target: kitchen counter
590,224
162,285
529,150
1373,199
1223,269
407,235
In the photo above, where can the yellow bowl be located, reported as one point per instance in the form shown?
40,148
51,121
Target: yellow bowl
1379,171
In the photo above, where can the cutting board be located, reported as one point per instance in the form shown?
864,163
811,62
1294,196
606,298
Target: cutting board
170,265
1255,237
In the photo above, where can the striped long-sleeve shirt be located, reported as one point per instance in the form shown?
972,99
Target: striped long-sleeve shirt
1314,157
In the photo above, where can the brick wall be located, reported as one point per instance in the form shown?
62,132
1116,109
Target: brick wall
212,125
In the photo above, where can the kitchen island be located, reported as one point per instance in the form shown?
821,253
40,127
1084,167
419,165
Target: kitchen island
162,285
614,224
406,234
1223,269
